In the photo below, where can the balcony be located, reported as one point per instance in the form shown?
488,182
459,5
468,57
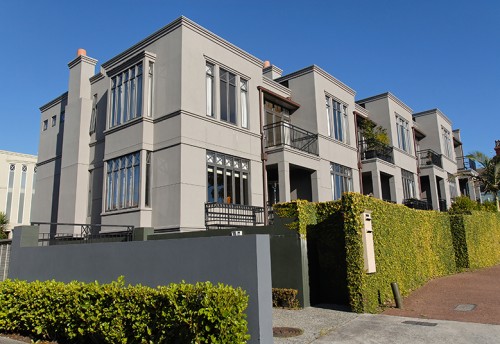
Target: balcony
417,204
226,215
465,163
371,149
285,134
428,157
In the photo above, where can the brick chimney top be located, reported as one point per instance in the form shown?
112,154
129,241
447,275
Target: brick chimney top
81,52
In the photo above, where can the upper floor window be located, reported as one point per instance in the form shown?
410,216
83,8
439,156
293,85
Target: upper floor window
209,81
54,121
227,96
336,114
93,116
403,131
126,95
45,125
232,96
446,142
341,180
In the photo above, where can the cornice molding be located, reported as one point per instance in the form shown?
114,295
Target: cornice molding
53,102
99,76
179,22
82,58
388,95
320,71
272,68
273,84
19,155
361,110
141,55
41,163
432,112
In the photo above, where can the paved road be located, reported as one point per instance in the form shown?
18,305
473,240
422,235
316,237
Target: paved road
471,296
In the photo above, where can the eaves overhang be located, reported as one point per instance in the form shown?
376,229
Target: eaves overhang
279,100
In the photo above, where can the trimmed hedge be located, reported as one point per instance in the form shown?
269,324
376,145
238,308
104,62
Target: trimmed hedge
482,233
115,313
411,247
285,298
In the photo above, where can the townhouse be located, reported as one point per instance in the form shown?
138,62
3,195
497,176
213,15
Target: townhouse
185,131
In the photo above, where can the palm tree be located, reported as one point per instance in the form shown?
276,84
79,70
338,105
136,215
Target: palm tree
4,221
489,174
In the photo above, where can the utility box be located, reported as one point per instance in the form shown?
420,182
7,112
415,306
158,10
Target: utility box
368,247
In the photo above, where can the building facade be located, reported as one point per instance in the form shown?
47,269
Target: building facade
17,186
184,130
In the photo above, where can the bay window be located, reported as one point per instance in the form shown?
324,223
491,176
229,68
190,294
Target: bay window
227,179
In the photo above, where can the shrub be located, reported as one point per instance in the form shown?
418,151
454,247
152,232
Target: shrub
463,205
113,313
285,298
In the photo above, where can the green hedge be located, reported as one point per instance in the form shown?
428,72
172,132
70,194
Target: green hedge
482,232
115,313
411,247
285,298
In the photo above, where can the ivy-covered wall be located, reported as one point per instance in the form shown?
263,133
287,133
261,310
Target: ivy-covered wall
411,247
482,232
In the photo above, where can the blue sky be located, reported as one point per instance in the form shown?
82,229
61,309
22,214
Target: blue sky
443,54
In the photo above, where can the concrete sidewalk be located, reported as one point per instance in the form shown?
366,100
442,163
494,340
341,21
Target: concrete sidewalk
332,326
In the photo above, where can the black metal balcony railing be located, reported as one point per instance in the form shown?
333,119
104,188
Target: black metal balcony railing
371,149
89,233
417,204
465,163
286,134
428,157
225,215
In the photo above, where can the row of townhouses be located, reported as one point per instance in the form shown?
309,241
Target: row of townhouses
185,130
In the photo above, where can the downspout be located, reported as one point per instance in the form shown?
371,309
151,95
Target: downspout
263,157
360,165
418,162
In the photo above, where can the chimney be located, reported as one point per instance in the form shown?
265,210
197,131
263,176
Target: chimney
270,71
497,147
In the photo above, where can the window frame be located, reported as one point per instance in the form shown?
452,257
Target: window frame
123,182
343,175
337,113
409,185
446,135
403,134
229,166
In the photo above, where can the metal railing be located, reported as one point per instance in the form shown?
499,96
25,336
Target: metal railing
428,157
417,204
283,133
465,163
224,215
89,233
371,149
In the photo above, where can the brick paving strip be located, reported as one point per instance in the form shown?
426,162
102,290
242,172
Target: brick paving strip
470,296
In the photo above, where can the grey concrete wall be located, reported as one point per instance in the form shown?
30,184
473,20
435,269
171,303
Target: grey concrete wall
242,261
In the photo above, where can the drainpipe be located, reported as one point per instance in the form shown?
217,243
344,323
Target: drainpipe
360,165
418,162
263,156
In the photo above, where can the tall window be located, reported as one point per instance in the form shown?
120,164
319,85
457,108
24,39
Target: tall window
227,96
446,142
148,180
54,121
20,211
336,113
93,116
403,131
126,95
90,196
10,190
341,180
123,182
150,89
244,103
227,179
33,189
209,81
408,184
45,124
